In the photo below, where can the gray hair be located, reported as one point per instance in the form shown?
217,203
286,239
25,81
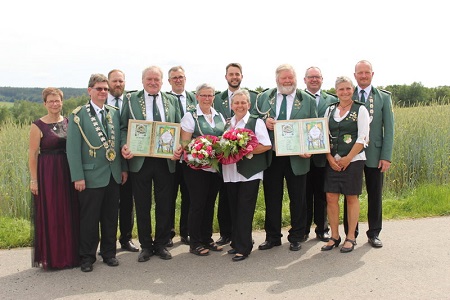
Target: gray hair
285,67
342,79
204,86
153,69
242,92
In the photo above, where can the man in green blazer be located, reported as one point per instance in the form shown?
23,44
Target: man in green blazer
116,82
93,152
316,201
285,102
222,104
381,140
151,173
187,102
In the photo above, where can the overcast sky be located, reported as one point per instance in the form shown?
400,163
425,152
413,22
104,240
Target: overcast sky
61,43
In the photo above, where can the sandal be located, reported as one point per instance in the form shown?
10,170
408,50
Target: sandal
214,247
348,249
200,251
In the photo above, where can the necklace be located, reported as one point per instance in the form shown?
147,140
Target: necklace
54,126
343,107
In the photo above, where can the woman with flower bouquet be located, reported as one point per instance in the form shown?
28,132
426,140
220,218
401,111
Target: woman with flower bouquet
244,160
200,130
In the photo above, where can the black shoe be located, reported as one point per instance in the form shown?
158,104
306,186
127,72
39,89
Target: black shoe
295,246
232,251
86,267
185,240
324,237
350,249
223,241
268,245
145,255
129,246
239,257
112,262
329,247
169,243
305,238
163,253
375,242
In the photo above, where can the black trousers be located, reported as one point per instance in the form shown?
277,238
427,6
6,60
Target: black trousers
98,206
374,186
274,176
203,187
185,201
224,214
316,201
242,197
126,217
153,173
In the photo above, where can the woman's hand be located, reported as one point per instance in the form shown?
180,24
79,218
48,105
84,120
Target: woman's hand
34,187
80,185
344,162
333,163
177,153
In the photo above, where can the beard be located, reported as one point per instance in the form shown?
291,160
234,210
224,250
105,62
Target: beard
289,89
117,92
234,85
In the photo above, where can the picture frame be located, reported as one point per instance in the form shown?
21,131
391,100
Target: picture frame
302,136
152,138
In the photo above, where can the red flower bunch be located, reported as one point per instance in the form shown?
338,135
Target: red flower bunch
235,144
201,152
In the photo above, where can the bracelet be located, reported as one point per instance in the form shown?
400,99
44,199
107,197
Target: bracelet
33,181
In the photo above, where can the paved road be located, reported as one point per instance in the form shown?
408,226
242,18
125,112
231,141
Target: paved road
413,264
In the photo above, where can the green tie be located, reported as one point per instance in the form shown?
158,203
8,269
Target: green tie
362,99
180,104
104,124
156,114
117,102
283,109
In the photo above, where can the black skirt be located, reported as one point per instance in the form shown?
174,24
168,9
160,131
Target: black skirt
348,182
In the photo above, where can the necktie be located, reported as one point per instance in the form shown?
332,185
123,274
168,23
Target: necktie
317,100
156,114
180,104
283,109
116,104
104,124
362,99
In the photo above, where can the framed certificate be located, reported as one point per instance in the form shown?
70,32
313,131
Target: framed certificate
303,136
153,139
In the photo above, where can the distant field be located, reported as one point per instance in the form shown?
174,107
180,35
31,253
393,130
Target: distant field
6,104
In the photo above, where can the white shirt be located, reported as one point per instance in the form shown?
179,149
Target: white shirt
289,102
112,101
230,173
149,106
367,91
182,99
363,123
188,124
98,111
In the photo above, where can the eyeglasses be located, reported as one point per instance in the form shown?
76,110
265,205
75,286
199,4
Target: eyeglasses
54,102
99,89
206,96
177,78
314,77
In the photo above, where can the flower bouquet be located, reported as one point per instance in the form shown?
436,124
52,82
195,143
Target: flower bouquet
201,153
235,144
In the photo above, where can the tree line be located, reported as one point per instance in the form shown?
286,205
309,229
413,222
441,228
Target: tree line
27,102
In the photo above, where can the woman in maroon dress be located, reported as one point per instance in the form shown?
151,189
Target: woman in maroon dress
55,209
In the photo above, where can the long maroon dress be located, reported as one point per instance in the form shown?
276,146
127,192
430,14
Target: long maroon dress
56,221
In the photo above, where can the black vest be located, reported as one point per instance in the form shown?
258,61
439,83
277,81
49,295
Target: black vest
259,162
343,134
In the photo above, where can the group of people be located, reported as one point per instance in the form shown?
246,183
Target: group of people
99,177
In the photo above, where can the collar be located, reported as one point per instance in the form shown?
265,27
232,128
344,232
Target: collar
96,108
200,113
367,90
245,119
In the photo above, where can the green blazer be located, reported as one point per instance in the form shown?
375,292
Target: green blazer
191,101
221,103
304,107
325,100
381,136
136,101
95,170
